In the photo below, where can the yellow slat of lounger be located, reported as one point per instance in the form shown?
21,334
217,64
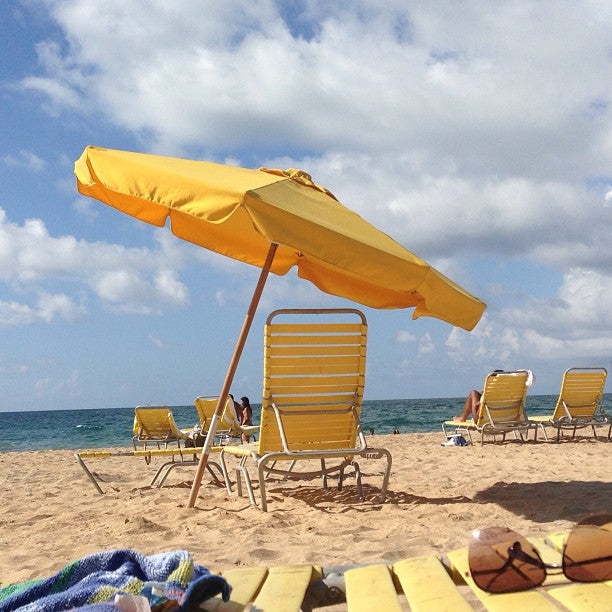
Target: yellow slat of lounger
284,588
245,582
152,452
242,450
95,454
549,553
505,602
595,597
558,540
370,588
428,587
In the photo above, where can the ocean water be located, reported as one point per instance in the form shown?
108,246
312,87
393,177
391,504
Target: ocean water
112,427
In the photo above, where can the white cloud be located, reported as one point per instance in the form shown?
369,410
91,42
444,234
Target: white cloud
86,208
60,96
404,337
25,159
47,308
127,289
219,81
426,344
58,388
160,344
573,323
136,280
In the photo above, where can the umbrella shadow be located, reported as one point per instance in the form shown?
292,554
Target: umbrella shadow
543,502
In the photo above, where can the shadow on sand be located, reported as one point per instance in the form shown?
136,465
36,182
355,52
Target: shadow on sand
543,502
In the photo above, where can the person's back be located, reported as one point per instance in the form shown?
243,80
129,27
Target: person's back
247,415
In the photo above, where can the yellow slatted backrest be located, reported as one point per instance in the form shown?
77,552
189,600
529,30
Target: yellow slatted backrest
206,409
581,390
154,423
314,372
504,397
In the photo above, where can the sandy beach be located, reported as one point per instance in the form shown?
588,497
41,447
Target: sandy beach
51,514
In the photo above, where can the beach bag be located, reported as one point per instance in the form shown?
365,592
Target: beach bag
456,440
196,437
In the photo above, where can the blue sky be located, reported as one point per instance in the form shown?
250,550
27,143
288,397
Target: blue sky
478,136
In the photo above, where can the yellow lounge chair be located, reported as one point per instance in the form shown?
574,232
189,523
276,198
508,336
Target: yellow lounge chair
314,374
502,409
156,424
579,403
153,424
424,584
228,428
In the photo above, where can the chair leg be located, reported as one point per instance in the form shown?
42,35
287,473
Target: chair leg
380,453
262,488
228,484
242,469
358,480
161,468
238,472
385,484
168,465
323,474
91,476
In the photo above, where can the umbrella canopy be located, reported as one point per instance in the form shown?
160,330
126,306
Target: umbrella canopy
239,212
273,219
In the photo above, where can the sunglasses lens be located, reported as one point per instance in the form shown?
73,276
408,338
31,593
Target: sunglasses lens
587,556
502,561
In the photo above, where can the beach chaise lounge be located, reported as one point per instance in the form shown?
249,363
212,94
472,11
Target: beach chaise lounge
428,584
314,374
229,429
579,403
154,425
502,409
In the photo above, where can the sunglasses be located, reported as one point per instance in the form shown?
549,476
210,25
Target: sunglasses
503,561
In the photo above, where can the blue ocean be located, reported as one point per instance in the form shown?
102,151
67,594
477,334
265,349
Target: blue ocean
112,427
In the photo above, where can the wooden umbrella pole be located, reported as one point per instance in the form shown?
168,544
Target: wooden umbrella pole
231,371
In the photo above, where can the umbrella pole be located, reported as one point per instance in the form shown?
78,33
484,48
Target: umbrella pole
231,371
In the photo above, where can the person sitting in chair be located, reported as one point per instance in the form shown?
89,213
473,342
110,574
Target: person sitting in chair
472,401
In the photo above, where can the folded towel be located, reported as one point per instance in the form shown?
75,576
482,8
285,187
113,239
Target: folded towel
92,582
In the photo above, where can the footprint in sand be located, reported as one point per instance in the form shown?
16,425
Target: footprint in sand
140,523
264,554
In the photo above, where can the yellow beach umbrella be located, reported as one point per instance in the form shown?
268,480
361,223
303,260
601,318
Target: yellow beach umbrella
275,220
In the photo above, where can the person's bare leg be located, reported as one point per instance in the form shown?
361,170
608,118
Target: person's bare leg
471,406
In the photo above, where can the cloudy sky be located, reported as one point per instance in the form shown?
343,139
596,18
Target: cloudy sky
477,134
